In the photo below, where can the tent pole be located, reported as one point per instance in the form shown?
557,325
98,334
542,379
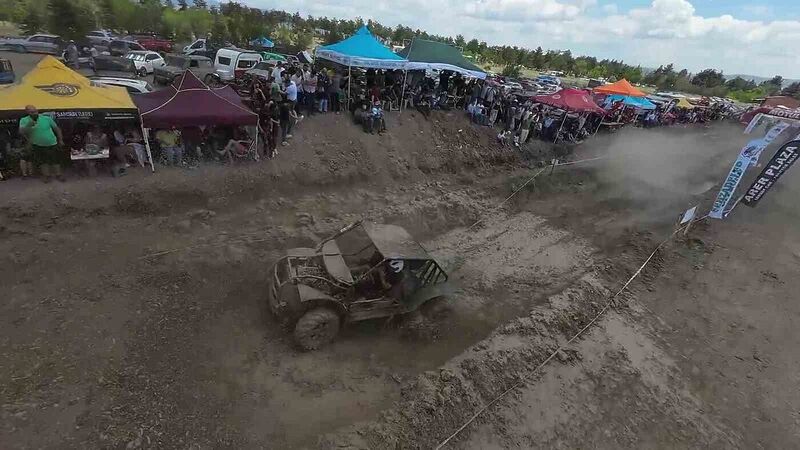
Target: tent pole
146,137
598,125
403,95
258,130
560,127
349,80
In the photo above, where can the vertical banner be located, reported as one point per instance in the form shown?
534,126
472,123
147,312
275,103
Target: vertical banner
753,123
764,142
777,166
729,185
748,156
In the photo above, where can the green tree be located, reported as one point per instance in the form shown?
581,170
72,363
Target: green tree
183,5
71,19
460,42
708,78
473,46
219,31
303,39
774,85
740,84
792,90
202,4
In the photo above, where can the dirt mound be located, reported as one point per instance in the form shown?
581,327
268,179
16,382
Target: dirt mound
327,151
606,366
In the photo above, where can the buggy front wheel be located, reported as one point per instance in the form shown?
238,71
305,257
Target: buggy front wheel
317,327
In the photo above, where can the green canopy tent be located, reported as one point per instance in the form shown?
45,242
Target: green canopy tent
422,55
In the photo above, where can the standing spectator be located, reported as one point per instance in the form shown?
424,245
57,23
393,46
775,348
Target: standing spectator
334,89
310,91
476,92
276,90
71,55
444,81
298,78
277,72
323,84
291,92
286,122
275,128
45,139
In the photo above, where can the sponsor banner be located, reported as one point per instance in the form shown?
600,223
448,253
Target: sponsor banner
757,146
11,118
729,185
747,157
777,166
753,123
787,113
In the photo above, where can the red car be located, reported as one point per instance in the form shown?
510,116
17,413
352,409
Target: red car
155,44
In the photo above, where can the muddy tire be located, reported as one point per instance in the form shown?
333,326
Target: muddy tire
316,328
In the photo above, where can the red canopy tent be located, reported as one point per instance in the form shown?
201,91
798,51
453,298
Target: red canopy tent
570,100
621,87
190,103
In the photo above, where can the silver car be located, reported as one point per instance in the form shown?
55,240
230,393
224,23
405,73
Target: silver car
37,43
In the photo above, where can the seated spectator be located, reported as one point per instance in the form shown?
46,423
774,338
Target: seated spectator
169,141
239,146
96,140
377,119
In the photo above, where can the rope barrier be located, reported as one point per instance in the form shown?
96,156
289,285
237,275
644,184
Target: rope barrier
531,179
560,347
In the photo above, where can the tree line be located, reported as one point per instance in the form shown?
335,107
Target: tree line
233,22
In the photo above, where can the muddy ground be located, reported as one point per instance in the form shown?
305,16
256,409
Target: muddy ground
104,346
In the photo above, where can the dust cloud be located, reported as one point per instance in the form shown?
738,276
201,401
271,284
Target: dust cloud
660,171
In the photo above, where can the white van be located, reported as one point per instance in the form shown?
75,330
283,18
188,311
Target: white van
233,63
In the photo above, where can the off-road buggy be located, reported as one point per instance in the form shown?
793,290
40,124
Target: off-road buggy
365,271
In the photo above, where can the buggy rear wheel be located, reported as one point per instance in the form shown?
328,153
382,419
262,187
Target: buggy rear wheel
317,327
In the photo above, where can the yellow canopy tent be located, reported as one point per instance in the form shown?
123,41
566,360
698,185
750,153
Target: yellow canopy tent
56,89
52,86
683,103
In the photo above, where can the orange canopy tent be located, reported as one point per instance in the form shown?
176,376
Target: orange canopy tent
621,87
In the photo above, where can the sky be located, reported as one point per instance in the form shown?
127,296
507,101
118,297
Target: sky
754,37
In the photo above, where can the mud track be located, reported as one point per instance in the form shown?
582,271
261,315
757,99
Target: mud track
106,347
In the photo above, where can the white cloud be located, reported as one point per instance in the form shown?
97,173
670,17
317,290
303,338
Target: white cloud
663,31
611,8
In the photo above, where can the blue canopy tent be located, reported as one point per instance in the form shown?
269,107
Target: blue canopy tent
362,50
262,42
636,102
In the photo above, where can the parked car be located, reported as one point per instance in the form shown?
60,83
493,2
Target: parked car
121,47
108,66
133,86
262,69
38,43
198,45
100,37
6,72
175,65
154,43
233,63
146,62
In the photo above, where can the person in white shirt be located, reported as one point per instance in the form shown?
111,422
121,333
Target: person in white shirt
297,79
277,72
